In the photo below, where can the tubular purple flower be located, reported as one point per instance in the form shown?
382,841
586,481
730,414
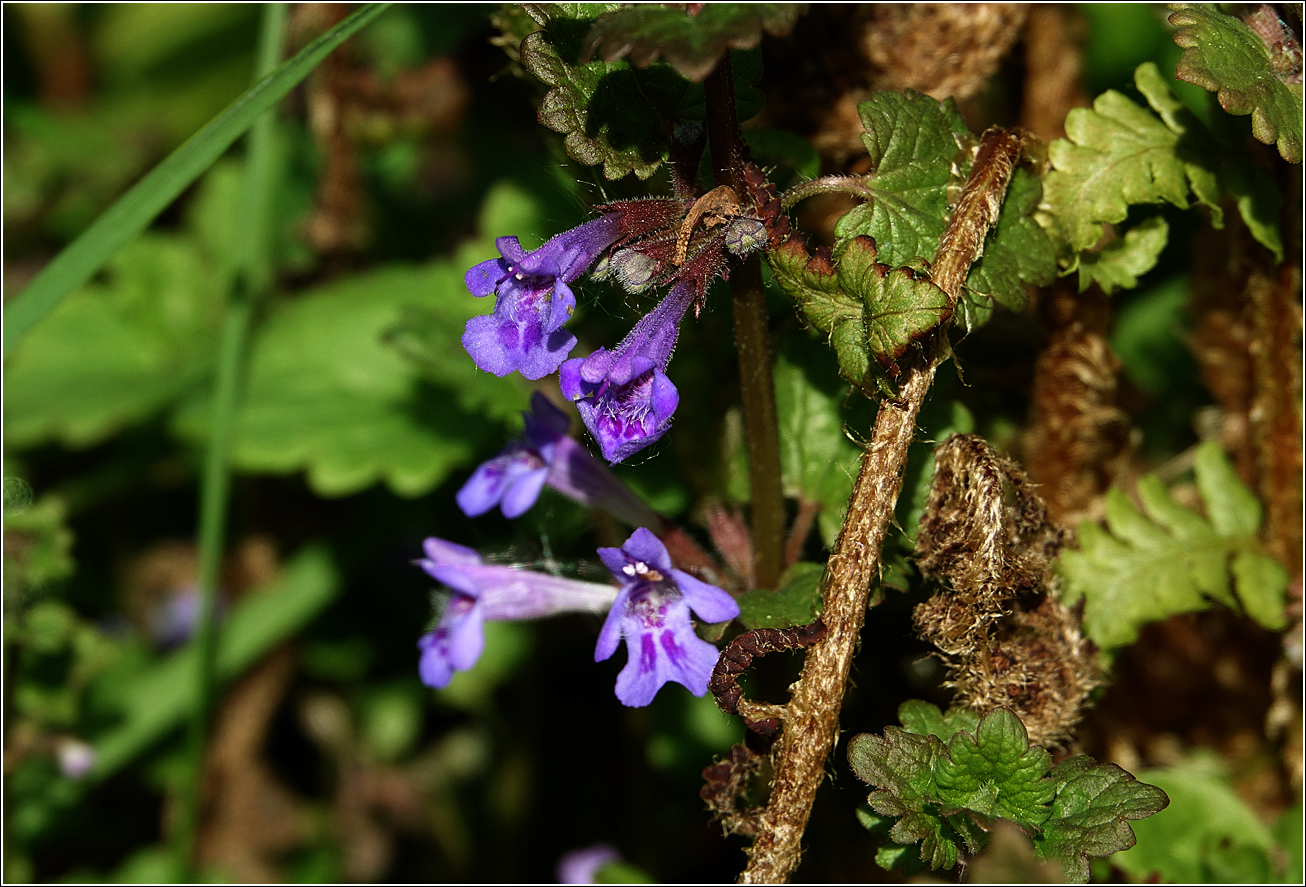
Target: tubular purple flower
624,396
483,592
652,612
533,299
545,456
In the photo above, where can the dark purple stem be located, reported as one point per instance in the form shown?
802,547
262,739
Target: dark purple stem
761,426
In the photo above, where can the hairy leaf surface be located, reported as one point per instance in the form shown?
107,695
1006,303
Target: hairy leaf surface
1223,55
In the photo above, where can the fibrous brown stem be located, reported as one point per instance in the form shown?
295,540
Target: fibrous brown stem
811,718
761,426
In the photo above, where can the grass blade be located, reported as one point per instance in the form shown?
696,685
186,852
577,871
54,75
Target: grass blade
151,195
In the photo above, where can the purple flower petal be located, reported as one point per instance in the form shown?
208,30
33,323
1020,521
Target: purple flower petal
489,591
652,613
534,300
624,396
523,492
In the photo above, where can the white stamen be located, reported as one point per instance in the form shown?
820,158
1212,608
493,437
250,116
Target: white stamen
629,570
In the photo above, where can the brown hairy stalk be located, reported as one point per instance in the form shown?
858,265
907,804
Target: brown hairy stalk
1005,638
811,718
1054,66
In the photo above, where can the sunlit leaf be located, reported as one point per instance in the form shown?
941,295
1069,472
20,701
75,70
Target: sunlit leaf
1223,55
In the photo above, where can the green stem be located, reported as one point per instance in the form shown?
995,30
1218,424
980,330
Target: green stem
249,278
752,335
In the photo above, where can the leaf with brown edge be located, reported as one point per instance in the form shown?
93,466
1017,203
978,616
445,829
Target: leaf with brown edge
692,42
1223,55
872,313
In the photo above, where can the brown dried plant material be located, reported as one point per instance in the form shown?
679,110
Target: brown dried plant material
1077,442
1248,343
252,818
940,49
1054,67
1005,638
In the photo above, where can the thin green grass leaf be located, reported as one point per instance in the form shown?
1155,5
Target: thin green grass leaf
151,195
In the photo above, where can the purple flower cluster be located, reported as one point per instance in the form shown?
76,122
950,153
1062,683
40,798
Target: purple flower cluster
651,610
626,401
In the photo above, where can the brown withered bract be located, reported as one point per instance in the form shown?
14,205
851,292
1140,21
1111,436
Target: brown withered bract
1006,639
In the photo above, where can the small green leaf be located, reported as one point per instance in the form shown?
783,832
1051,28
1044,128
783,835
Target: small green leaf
1090,811
1233,509
1016,253
796,602
925,719
1261,581
1170,560
590,103
1115,154
912,140
1121,262
1223,55
691,42
867,309
1258,199
1207,834
995,772
611,112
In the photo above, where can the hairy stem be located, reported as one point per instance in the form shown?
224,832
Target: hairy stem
853,185
811,721
752,335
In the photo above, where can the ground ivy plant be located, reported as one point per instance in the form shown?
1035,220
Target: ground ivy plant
941,229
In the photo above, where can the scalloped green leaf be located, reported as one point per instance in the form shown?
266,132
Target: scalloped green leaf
1147,566
1115,155
901,766
995,772
589,102
119,349
1223,55
1017,252
817,459
612,113
690,41
1121,262
796,602
912,140
871,313
1090,813
326,393
925,719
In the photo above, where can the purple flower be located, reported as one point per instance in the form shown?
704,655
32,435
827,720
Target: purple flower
624,396
483,592
652,613
581,866
533,299
545,455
